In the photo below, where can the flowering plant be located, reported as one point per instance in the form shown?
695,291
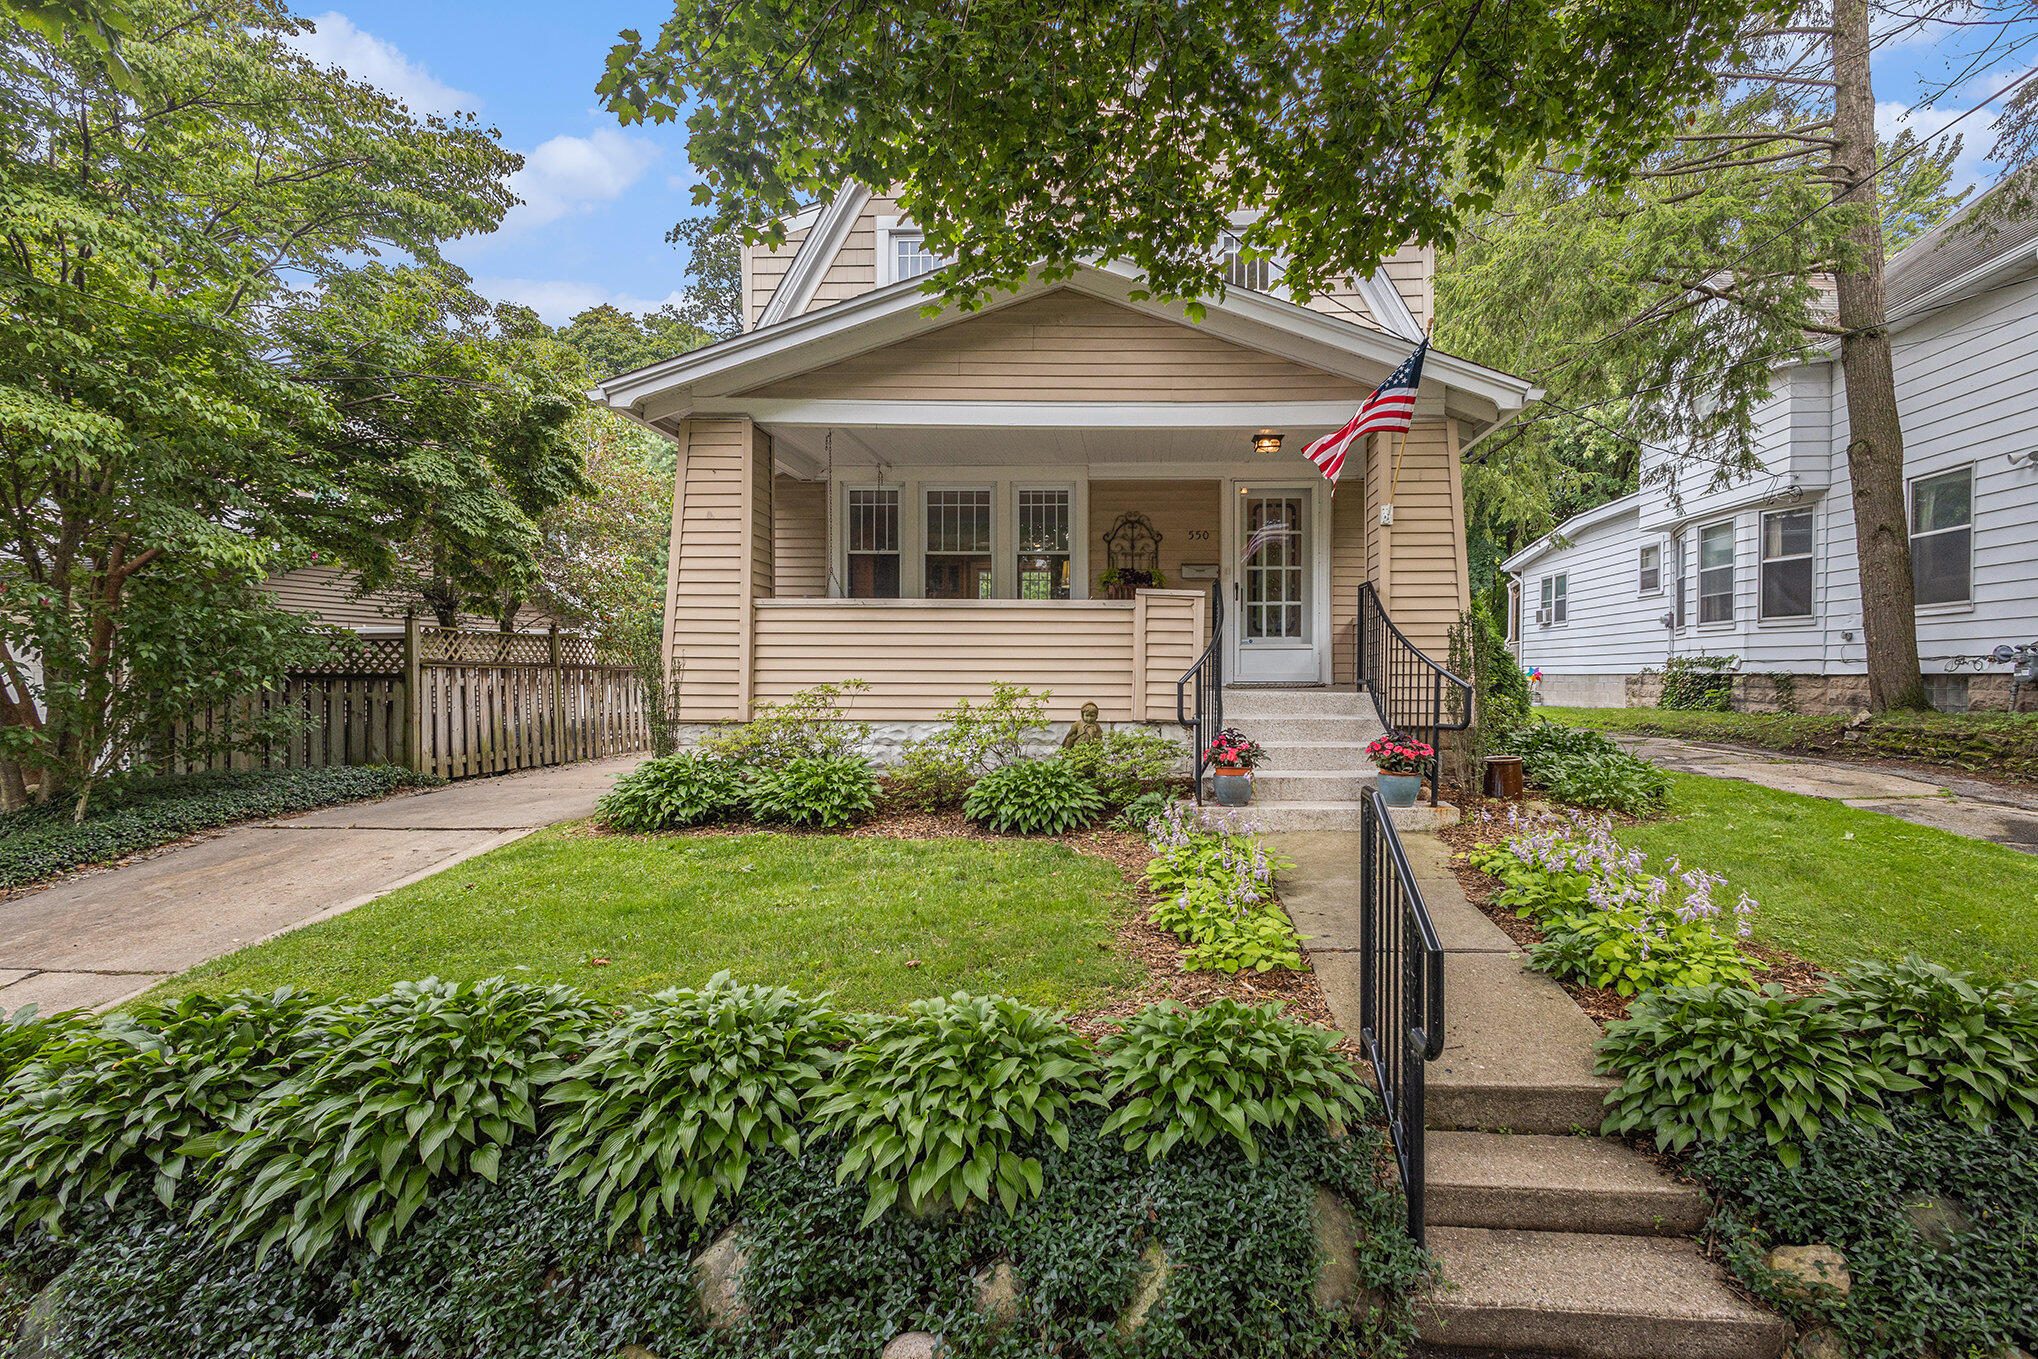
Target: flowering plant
1399,755
1216,890
1233,749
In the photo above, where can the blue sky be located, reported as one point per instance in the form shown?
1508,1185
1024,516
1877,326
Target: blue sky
600,197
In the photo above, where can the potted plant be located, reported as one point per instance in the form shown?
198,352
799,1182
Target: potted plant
1123,582
1401,763
1234,755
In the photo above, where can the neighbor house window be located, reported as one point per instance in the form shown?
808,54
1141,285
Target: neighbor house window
1942,537
1652,569
1556,599
910,256
959,544
1241,272
1716,573
1680,557
873,538
1787,564
1043,540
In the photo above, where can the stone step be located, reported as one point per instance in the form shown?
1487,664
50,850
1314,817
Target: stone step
1296,703
1288,730
1275,786
1517,1052
1289,756
1337,816
1553,1184
1589,1295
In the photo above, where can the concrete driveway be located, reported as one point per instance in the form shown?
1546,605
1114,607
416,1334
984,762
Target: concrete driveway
105,936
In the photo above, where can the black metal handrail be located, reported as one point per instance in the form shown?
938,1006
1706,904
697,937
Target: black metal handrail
1206,679
1414,696
1401,991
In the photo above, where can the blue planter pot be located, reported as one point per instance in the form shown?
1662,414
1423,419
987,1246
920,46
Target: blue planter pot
1400,790
1234,787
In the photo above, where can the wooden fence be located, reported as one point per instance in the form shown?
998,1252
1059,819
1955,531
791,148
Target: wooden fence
441,700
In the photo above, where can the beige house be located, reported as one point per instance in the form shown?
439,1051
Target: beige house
936,503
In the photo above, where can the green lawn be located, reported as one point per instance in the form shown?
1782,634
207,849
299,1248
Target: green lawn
1998,743
1837,883
816,913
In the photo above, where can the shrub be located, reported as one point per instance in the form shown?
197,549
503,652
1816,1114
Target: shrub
42,841
1700,1064
1033,797
1585,768
812,791
671,1105
1216,894
1541,739
1142,811
1970,1044
1698,683
1631,951
1126,765
108,1108
23,1034
936,772
937,1102
1222,1071
671,791
808,726
433,1080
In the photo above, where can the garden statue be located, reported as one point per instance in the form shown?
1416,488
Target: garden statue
1089,729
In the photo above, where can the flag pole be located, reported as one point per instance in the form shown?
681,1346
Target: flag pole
1395,484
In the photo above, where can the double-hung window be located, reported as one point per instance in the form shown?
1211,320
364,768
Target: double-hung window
1043,544
1787,564
872,538
1556,599
1650,578
958,543
1942,537
1716,573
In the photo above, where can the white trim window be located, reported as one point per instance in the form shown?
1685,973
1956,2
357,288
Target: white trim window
1787,564
871,539
1258,275
902,252
1042,542
957,552
1942,537
1649,569
1556,600
1716,573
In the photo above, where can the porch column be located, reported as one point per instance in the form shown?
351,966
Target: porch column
721,563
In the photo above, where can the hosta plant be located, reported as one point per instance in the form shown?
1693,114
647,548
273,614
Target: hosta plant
1971,1044
1034,797
111,1107
1705,1063
941,1102
1225,1071
668,1108
1630,951
673,791
814,791
24,1032
1216,894
416,1087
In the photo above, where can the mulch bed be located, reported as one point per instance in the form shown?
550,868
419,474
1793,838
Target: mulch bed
1793,973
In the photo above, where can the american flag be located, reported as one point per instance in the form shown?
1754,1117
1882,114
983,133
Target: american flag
1391,408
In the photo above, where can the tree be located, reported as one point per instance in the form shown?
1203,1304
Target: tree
1031,135
714,301
601,560
201,382
613,341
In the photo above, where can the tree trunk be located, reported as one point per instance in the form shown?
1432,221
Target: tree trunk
1875,448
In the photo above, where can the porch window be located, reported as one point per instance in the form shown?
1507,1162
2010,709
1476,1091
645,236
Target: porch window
958,554
1787,564
1942,537
1716,573
1043,544
873,544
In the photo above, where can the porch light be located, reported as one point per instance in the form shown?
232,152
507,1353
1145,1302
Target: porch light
1267,441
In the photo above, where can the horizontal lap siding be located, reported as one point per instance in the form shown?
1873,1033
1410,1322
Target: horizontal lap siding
708,611
853,271
919,659
1427,547
765,267
1348,547
1173,638
1070,347
799,511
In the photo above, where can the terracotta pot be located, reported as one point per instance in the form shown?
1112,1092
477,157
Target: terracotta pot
1400,790
1234,786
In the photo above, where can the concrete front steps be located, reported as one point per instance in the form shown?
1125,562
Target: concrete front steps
1317,769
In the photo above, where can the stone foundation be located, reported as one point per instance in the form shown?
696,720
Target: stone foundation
1839,695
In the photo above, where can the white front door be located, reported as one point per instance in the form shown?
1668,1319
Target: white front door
1277,634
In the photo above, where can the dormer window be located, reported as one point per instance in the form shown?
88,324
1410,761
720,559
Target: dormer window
910,256
1241,272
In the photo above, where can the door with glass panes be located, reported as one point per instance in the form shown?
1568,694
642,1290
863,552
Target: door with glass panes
1274,624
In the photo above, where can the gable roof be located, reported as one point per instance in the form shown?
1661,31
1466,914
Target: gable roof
1959,250
1561,536
802,278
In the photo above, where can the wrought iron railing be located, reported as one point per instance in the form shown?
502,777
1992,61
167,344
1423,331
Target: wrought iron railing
1202,685
1401,991
1415,697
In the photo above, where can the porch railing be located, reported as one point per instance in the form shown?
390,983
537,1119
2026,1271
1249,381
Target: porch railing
1401,991
1202,685
1415,697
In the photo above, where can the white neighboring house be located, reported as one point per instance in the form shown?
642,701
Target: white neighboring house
1765,569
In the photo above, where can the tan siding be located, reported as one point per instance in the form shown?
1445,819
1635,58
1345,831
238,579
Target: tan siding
763,519
799,535
1175,508
708,608
1170,624
853,271
763,267
1348,522
1067,346
1413,270
1346,305
1427,553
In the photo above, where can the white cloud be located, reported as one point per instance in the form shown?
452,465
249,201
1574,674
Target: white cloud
335,41
1992,83
558,301
1977,134
572,174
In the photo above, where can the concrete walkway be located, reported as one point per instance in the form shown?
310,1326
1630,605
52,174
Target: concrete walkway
1971,807
103,937
1550,1239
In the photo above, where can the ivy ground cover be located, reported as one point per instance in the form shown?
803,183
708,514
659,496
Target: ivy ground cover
877,921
